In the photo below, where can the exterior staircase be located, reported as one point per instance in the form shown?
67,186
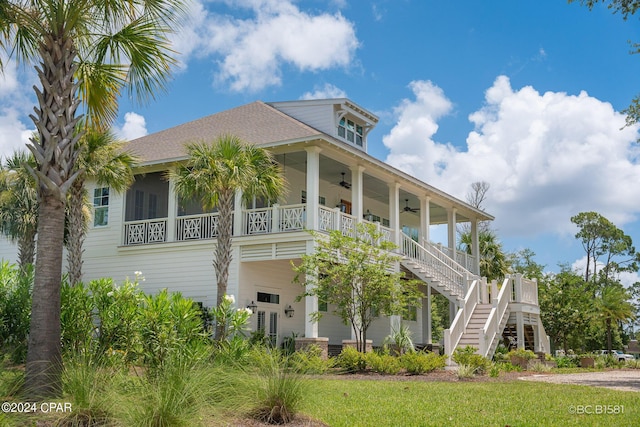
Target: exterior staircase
471,334
478,322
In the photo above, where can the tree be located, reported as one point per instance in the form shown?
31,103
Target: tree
626,8
357,276
612,306
493,260
601,239
103,160
565,307
86,52
213,174
19,206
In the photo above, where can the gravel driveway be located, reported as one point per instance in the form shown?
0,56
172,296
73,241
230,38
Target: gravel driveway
617,380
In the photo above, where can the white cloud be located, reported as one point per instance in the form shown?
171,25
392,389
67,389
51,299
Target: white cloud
324,92
252,51
546,156
15,105
134,127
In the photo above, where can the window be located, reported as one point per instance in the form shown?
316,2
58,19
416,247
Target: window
321,199
268,298
351,131
138,205
100,206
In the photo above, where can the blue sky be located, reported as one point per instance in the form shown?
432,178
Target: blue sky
524,95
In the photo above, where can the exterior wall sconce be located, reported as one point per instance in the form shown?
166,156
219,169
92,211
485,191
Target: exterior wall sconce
253,307
368,216
289,311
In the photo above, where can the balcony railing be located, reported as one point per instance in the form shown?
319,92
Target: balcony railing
146,231
273,219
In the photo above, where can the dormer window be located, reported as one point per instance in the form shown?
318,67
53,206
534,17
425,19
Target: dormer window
351,131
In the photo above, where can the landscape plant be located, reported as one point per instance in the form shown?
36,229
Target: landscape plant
15,310
214,172
468,358
420,362
355,275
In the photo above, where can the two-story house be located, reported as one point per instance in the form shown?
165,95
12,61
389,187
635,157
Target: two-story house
333,183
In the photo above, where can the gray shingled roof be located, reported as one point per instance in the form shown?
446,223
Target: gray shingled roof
256,123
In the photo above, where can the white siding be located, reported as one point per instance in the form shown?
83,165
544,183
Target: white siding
8,250
316,116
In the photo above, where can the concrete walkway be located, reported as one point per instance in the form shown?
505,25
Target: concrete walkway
626,380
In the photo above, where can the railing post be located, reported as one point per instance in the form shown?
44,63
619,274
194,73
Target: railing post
275,218
517,283
494,293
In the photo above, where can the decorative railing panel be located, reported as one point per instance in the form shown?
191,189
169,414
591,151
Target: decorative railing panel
258,221
292,217
147,231
196,227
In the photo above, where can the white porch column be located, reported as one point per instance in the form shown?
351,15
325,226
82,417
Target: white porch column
451,230
310,305
313,187
520,329
475,245
425,219
394,211
357,209
172,211
426,318
238,216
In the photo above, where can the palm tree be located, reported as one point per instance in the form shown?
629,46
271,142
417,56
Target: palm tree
103,160
213,174
19,206
612,306
84,51
493,261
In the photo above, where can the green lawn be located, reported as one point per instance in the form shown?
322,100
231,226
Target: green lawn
513,403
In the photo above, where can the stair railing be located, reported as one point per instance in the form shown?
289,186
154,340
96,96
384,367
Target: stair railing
459,325
499,310
452,275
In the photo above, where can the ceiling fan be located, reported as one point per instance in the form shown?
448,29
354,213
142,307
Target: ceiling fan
344,183
407,208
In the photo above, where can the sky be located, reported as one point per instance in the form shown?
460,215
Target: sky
524,95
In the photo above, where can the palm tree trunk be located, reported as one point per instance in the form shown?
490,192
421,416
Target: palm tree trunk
55,153
44,355
223,249
26,249
76,231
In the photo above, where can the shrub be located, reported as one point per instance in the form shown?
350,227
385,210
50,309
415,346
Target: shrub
382,363
399,341
466,371
568,362
351,360
494,370
540,367
15,310
76,319
633,364
417,363
279,392
88,387
309,361
467,356
176,395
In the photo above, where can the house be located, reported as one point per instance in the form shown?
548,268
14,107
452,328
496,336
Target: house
333,184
